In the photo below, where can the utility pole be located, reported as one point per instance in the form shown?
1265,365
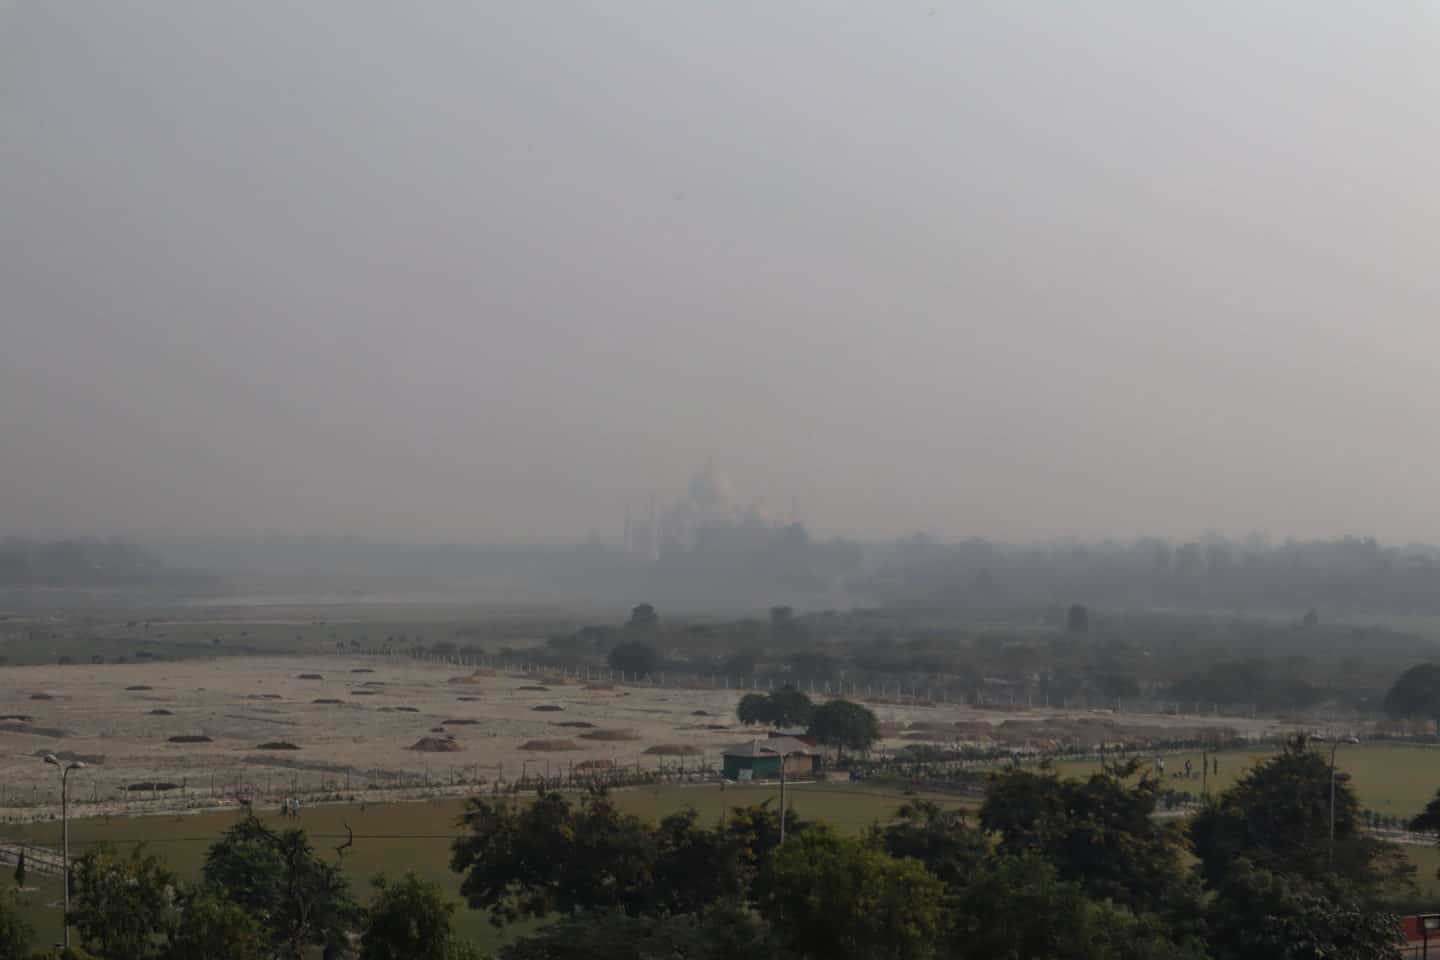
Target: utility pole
65,769
1334,746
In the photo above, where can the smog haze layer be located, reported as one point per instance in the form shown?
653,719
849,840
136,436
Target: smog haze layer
489,271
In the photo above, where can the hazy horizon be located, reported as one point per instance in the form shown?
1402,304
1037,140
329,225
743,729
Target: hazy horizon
477,273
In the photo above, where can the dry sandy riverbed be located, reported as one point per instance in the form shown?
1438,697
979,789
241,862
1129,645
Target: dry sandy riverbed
106,714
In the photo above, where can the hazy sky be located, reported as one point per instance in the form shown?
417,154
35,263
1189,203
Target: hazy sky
481,270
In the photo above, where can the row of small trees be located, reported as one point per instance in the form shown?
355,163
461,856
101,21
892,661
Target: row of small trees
263,894
1052,869
838,723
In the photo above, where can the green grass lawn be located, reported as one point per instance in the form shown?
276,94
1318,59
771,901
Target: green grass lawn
1396,779
397,837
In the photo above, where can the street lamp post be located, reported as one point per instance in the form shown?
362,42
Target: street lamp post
783,757
1334,746
65,770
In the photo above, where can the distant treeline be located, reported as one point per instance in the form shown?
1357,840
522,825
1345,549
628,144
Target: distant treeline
84,562
1348,576
729,568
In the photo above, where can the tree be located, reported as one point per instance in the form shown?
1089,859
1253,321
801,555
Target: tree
1428,820
409,919
1259,915
552,856
1277,817
942,840
1415,695
755,708
755,832
1018,908
831,897
695,867
15,932
724,932
1099,832
300,900
123,907
211,926
844,725
634,658
1078,619
789,707
643,617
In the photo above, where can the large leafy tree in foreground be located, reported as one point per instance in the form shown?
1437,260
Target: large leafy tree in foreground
845,899
124,906
942,840
725,931
1277,816
1260,915
410,919
299,900
1099,832
1018,908
15,932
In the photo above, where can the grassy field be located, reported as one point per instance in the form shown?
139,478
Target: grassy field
416,836
1397,779
394,838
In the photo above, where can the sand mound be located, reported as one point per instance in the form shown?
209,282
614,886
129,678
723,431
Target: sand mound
673,750
21,717
931,726
610,736
326,700
362,693
459,723
362,670
550,746
277,745
701,713
598,686
577,724
533,687
191,738
310,676
162,712
477,677
139,686
468,699
42,696
547,708
435,745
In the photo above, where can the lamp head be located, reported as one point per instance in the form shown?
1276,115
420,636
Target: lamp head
77,765
51,758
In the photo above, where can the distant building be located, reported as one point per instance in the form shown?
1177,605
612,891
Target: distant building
760,759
